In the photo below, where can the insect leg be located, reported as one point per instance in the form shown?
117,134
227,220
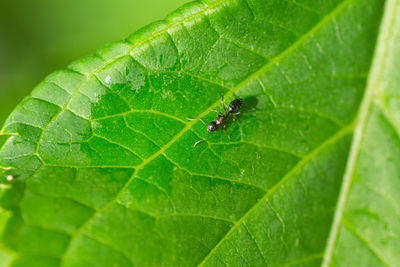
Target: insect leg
226,131
223,103
219,112
195,144
197,120
237,113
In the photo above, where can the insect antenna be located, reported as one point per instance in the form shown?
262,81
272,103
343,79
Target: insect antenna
197,120
195,144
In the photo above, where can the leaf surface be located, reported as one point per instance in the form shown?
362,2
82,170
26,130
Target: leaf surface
105,173
368,211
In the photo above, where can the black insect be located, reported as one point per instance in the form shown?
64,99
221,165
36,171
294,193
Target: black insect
220,119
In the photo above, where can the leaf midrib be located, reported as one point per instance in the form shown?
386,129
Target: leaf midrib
371,93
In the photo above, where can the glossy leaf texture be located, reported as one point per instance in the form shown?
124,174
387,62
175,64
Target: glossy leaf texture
102,170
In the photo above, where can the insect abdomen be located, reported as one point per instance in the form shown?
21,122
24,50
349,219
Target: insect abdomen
235,105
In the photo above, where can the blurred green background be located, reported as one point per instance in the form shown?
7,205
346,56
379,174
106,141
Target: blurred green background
40,36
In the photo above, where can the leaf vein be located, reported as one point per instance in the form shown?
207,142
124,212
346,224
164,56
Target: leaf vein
373,250
286,177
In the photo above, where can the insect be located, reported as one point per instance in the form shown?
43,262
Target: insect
220,119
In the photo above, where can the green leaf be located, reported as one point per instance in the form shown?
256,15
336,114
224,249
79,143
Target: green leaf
100,170
366,227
